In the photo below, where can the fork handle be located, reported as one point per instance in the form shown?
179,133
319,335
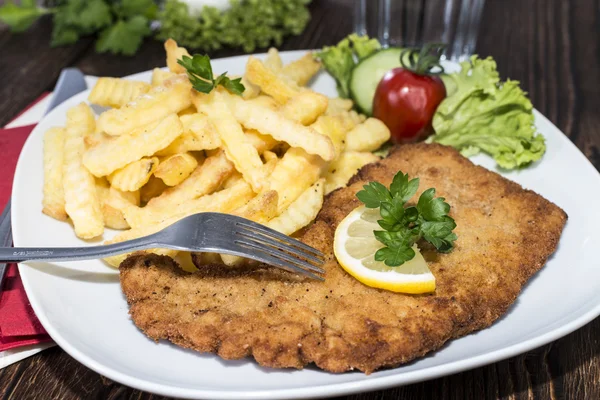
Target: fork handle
21,254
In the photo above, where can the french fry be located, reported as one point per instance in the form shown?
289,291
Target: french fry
200,125
341,170
350,119
250,89
261,209
305,108
94,139
269,156
54,193
200,156
368,136
198,134
115,261
206,258
223,201
188,111
152,189
184,260
116,92
238,148
355,117
295,172
301,212
175,53
112,202
276,86
260,142
265,101
205,179
279,127
334,128
171,97
273,60
81,200
134,175
226,200
176,168
337,105
233,179
112,208
159,76
302,70
109,156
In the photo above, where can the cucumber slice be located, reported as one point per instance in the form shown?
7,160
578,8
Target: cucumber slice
367,74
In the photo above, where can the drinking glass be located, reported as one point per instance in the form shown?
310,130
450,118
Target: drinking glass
412,23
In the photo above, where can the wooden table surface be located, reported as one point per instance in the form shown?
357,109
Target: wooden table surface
551,46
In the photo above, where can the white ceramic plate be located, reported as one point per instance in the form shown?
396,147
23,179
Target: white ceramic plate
81,305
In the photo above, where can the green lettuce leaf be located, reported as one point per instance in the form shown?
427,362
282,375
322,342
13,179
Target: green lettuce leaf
362,46
339,60
483,114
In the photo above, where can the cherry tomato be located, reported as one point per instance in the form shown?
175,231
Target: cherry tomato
406,101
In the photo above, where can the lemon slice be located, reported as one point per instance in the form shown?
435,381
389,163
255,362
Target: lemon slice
355,245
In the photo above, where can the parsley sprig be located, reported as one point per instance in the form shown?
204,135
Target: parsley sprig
201,76
403,226
121,26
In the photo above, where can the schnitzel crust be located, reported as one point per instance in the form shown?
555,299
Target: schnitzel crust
505,235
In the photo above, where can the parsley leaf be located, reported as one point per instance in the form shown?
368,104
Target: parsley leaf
124,37
403,188
200,74
392,214
120,24
20,18
432,209
373,194
234,86
131,8
395,256
439,233
404,226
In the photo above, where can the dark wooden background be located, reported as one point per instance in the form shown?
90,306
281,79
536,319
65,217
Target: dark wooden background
551,46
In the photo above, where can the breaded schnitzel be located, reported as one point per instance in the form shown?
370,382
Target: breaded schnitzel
505,235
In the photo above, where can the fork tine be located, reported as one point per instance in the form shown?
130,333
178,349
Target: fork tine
279,253
279,245
273,233
260,254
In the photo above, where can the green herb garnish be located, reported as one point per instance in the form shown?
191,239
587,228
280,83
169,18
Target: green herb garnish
201,76
121,26
404,226
246,24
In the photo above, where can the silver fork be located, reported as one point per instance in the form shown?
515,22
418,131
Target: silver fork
204,232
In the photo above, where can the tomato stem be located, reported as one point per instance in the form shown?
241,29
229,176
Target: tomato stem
423,61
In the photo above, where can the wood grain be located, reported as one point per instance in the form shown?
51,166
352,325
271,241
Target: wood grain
551,46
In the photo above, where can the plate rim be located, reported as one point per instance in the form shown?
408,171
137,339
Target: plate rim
334,389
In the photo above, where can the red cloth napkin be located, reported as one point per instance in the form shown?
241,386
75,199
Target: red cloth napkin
18,324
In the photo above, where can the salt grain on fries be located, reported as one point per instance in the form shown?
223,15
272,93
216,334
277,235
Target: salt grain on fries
166,151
